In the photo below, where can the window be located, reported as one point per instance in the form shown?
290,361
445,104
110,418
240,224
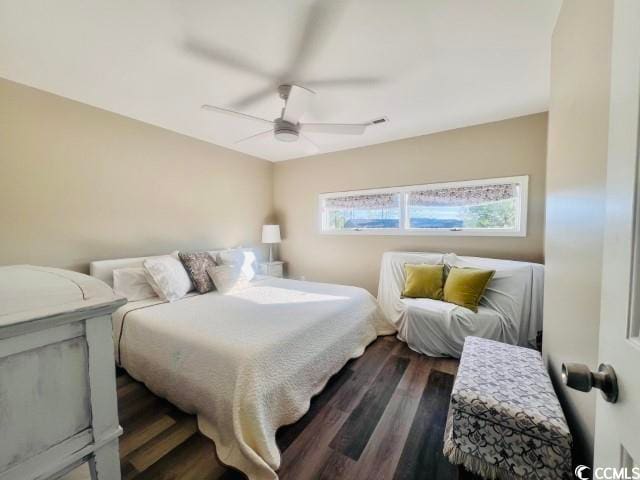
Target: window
362,212
478,207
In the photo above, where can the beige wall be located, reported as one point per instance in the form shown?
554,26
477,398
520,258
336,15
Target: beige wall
78,183
506,148
576,175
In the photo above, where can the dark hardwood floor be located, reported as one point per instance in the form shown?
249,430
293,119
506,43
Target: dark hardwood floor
381,417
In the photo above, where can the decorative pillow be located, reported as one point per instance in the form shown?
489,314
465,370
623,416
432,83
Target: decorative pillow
228,278
465,286
132,283
423,281
196,265
244,259
167,277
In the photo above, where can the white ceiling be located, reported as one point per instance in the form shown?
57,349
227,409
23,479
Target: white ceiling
428,65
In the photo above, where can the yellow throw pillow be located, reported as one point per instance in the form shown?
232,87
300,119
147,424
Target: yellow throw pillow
465,286
423,281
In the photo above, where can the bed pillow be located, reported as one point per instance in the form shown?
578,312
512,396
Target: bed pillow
228,278
196,265
241,258
167,277
132,283
465,286
423,281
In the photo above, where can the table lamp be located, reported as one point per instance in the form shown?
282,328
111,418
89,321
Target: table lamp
271,235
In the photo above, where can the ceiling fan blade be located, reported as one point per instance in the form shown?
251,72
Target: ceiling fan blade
346,82
297,104
254,136
255,97
235,114
322,15
335,128
227,58
312,147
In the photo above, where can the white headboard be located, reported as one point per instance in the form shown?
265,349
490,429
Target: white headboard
103,269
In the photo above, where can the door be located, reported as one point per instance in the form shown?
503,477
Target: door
617,434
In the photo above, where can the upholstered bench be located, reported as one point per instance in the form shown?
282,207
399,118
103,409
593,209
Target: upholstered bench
504,419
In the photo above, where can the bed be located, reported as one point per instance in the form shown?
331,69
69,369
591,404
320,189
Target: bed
245,363
509,312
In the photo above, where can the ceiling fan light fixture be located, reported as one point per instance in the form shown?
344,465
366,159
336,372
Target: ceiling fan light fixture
285,131
286,135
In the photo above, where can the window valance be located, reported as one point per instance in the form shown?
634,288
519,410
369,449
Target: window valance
379,200
463,195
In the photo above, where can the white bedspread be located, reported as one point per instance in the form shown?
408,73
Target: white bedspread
249,362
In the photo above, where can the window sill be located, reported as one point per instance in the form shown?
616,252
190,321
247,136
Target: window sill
422,233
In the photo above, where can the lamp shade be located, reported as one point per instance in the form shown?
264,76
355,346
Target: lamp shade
271,234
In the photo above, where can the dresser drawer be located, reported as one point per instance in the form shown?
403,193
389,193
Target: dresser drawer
45,397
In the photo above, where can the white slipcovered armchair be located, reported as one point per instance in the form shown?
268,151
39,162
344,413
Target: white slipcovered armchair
510,310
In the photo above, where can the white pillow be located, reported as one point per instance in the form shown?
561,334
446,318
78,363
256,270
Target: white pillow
228,278
132,283
239,258
167,277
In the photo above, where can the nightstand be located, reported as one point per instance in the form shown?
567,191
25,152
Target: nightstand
273,269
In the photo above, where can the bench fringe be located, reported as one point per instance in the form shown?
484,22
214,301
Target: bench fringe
476,465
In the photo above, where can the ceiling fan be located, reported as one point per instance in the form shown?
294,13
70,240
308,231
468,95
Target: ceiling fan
321,18
287,127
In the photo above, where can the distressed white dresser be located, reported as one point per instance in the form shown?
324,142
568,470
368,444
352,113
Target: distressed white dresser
58,404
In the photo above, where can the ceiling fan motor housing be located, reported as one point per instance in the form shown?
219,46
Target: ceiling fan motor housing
285,131
283,91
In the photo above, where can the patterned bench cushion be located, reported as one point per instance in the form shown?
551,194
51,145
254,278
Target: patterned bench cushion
504,419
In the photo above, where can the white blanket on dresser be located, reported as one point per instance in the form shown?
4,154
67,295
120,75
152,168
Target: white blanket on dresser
249,362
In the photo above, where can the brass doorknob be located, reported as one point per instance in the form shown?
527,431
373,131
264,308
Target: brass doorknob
579,377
